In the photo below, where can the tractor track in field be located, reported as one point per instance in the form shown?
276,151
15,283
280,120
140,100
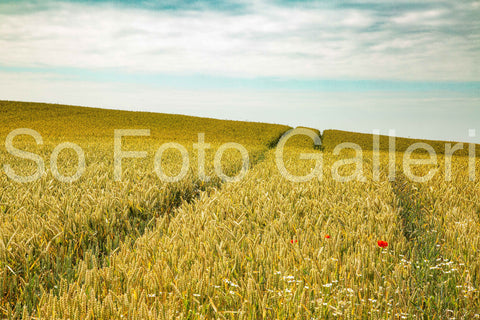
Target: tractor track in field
146,220
181,198
413,205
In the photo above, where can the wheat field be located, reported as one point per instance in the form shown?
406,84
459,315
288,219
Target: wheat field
260,248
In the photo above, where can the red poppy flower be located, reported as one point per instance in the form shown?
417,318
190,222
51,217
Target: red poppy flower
327,236
382,244
293,241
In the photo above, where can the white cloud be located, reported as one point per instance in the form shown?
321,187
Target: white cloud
429,17
268,40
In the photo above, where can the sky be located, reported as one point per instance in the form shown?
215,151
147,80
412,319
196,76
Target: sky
354,65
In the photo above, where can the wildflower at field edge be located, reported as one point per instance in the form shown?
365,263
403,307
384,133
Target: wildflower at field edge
293,241
327,236
382,244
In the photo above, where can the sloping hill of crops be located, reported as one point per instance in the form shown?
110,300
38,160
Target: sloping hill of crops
349,243
47,227
332,138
